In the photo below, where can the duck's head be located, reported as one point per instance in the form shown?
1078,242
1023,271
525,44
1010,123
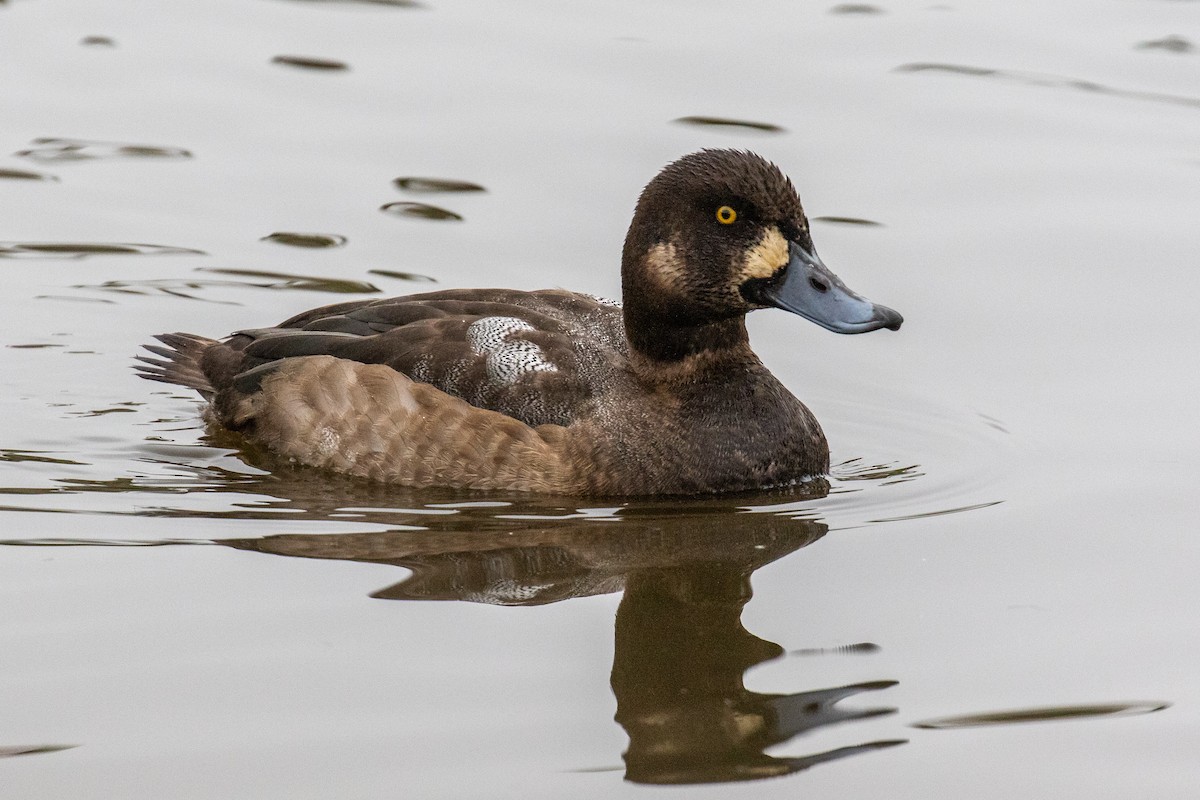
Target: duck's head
720,233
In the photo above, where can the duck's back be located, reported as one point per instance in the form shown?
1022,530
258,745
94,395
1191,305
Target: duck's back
538,357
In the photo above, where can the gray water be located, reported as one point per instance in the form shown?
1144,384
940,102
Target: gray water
992,597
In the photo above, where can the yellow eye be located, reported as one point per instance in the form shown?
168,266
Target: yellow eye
726,215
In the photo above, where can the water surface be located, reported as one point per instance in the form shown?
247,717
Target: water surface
990,597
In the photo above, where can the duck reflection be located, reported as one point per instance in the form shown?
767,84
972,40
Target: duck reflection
681,651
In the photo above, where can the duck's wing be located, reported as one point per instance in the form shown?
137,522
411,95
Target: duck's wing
538,357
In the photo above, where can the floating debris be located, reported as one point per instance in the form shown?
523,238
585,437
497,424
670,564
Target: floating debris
308,62
64,250
402,276
25,175
849,221
723,122
310,240
53,149
1171,44
420,211
32,749
283,280
855,8
98,41
1041,715
436,185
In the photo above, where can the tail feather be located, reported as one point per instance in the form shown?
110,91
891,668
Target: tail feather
179,362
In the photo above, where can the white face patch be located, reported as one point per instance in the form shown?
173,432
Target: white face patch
765,258
508,359
665,268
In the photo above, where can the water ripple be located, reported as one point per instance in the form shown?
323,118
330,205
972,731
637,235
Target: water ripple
1044,714
186,288
436,185
726,122
388,3
911,458
311,63
52,149
419,211
75,250
309,240
1169,44
1052,81
870,223
8,751
402,276
25,175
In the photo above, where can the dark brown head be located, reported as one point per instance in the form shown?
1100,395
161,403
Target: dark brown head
715,235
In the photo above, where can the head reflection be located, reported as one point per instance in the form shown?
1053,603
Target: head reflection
681,651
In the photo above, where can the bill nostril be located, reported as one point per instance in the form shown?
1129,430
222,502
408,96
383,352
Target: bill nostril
818,284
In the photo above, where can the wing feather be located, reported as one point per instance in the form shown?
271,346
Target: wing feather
539,357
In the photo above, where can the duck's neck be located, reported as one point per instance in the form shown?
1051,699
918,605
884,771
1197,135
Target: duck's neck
668,330
663,349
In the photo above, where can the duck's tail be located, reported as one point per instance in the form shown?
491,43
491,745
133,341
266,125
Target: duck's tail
179,362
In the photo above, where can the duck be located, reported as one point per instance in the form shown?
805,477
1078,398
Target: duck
553,391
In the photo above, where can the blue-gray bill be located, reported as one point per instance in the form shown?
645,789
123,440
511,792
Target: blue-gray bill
809,289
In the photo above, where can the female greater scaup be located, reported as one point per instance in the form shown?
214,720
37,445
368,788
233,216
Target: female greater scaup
553,391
